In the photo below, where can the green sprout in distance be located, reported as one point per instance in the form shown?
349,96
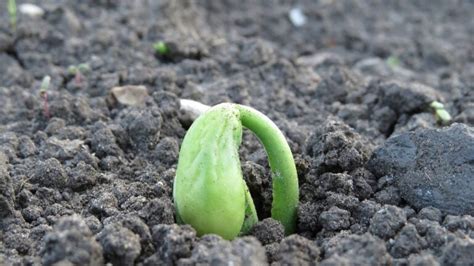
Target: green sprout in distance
209,191
78,72
393,62
442,116
161,48
12,13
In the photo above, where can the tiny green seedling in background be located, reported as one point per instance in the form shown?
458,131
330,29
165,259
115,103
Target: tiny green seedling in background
78,72
161,48
442,116
393,61
12,13
209,191
44,94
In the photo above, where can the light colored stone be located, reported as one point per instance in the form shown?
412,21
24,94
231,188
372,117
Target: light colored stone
31,10
297,17
130,95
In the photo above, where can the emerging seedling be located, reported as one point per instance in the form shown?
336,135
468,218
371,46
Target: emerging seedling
393,62
44,94
442,116
12,13
78,72
209,190
161,48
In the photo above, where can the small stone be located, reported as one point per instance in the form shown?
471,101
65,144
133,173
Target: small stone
297,17
31,213
62,149
130,95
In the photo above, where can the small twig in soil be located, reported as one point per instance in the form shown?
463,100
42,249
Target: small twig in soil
44,94
21,186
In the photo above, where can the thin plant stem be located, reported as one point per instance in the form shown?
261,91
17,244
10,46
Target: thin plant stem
284,177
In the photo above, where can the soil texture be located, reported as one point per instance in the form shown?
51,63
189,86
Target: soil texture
87,169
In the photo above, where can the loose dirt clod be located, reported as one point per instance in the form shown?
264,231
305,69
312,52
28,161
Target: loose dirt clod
428,170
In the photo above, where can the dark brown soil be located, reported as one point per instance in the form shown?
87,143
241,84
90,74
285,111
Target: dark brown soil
88,181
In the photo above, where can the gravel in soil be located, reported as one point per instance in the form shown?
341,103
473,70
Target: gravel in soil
86,177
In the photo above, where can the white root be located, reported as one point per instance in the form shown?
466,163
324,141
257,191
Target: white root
192,109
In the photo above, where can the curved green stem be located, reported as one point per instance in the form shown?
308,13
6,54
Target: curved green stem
284,176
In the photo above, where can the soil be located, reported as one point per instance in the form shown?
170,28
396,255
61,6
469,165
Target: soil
87,180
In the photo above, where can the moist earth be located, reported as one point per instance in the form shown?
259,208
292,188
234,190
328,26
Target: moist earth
86,179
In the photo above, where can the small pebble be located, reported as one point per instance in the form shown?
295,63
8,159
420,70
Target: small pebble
31,10
297,17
